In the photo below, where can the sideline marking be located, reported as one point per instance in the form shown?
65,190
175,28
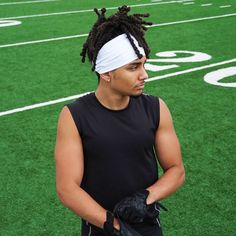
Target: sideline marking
6,23
84,35
88,10
30,107
26,2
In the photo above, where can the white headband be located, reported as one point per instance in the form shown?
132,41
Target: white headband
116,53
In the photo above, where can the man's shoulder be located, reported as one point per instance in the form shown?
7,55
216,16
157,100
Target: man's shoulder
84,98
148,98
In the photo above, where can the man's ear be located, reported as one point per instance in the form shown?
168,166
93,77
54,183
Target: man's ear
105,77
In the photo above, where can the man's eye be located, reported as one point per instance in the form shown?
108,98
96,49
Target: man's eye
133,67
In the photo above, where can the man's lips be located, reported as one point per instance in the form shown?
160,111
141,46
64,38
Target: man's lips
140,86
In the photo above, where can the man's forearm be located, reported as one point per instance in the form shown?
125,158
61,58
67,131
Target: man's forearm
168,183
83,205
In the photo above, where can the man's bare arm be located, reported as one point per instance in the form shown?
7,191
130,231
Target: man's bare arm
169,156
69,172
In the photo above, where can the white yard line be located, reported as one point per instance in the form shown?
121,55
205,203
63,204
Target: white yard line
43,104
193,20
191,70
88,10
30,107
26,2
47,14
84,35
43,40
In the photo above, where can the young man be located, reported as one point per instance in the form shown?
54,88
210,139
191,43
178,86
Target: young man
106,166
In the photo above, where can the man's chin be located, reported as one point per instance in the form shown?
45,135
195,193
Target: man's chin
137,93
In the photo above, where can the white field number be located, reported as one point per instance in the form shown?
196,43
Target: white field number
213,77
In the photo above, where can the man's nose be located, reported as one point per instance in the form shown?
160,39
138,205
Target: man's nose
143,74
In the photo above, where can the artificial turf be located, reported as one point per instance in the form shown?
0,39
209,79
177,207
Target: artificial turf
204,114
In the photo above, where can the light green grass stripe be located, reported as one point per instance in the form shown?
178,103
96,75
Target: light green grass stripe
4,113
84,35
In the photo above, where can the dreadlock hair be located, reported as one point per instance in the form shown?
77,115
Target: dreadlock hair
105,29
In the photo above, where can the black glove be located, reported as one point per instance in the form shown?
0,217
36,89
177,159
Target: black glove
133,209
125,229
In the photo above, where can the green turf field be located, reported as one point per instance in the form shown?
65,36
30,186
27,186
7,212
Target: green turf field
38,65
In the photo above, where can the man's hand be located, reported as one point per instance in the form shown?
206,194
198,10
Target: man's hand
125,230
134,209
117,227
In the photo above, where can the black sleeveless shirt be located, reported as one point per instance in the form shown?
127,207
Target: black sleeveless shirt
118,145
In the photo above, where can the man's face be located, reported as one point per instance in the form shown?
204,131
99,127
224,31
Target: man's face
129,79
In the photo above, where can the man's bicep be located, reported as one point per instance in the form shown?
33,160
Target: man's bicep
68,152
166,141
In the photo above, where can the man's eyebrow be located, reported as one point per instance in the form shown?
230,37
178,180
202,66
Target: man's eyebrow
136,63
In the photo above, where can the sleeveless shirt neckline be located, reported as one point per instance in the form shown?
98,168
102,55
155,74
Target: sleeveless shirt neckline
111,110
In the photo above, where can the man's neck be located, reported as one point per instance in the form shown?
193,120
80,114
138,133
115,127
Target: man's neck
110,99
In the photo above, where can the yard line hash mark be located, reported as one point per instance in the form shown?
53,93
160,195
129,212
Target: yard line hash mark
84,35
26,2
225,6
30,107
206,5
188,3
